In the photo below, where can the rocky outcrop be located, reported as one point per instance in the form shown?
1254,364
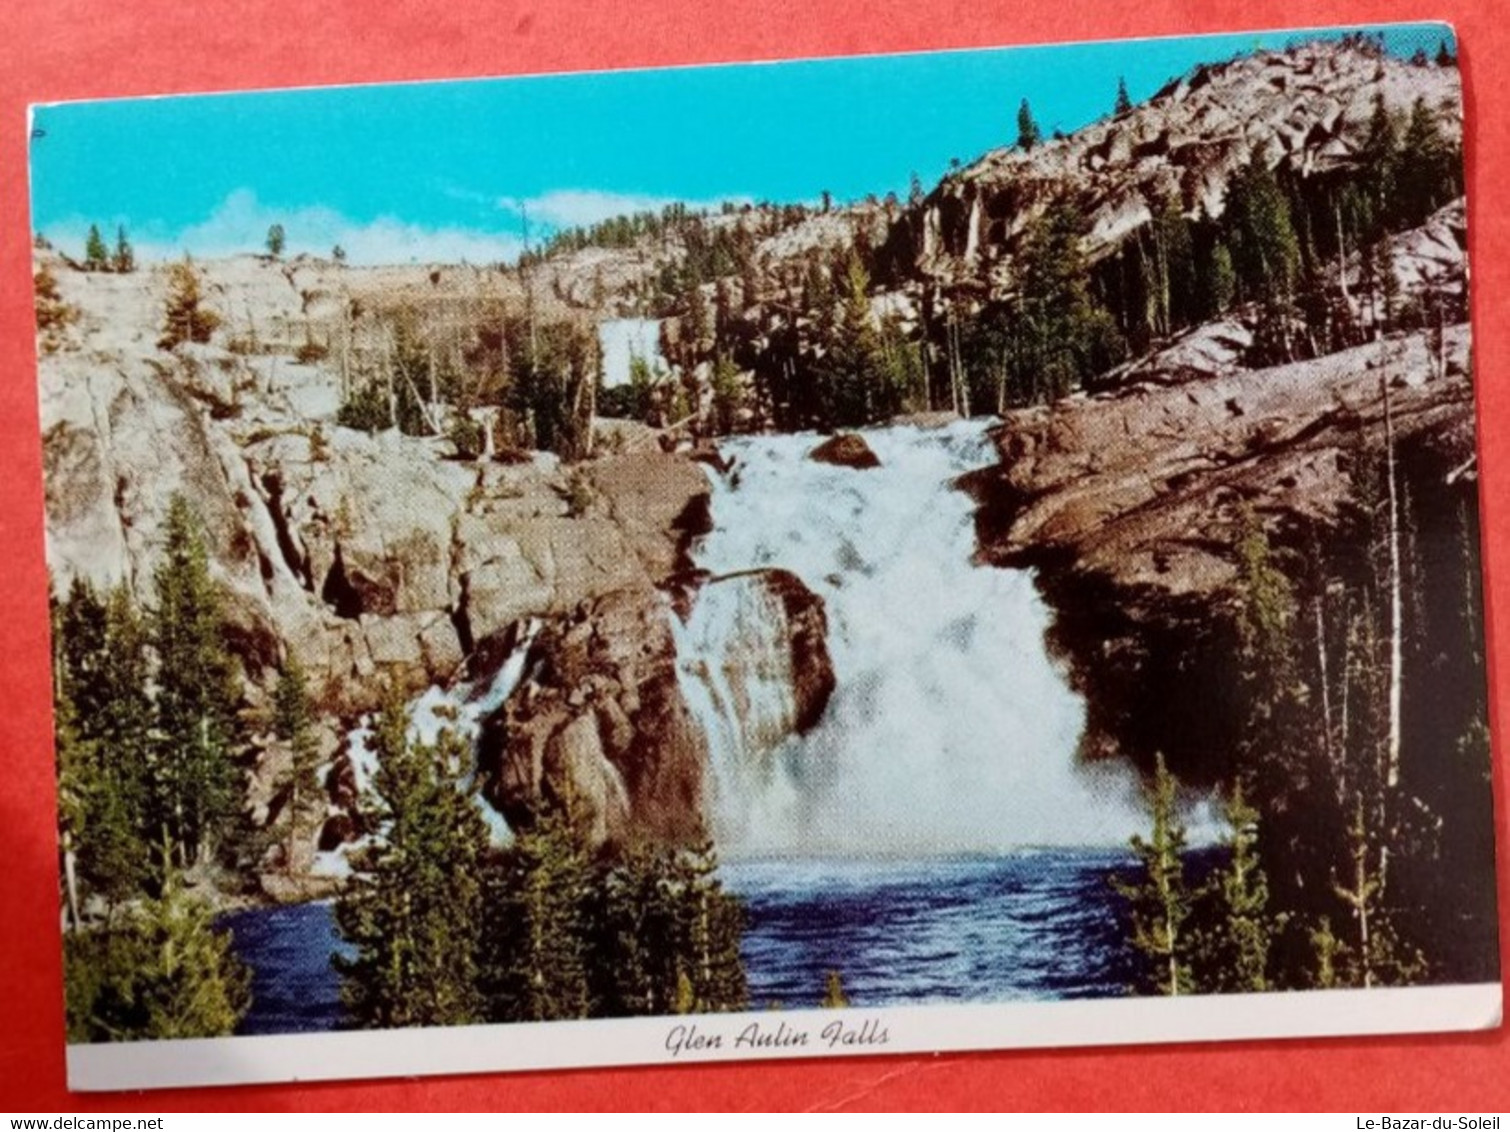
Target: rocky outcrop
1130,505
1144,484
1307,108
601,721
847,450
378,557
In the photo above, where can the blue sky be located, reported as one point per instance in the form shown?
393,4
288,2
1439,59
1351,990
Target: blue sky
447,171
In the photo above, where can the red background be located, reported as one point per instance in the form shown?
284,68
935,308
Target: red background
67,49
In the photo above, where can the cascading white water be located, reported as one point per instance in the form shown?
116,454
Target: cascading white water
461,709
950,730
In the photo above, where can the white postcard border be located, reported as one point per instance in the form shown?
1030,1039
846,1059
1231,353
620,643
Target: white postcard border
765,1035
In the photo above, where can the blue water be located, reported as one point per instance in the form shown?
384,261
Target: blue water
1036,925
1031,925
295,989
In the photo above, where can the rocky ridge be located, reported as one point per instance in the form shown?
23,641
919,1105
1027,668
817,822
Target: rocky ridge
1306,109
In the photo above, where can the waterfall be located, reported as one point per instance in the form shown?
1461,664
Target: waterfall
951,729
461,708
734,666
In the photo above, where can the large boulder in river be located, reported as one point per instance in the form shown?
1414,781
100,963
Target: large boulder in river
601,720
846,449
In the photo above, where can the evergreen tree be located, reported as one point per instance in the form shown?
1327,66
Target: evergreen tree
124,259
186,318
1379,163
414,909
54,316
102,722
1266,251
1160,903
536,965
726,394
1445,56
163,973
1221,281
712,924
197,733
276,239
632,931
96,254
1244,934
1062,336
834,997
1124,102
1028,133
853,375
293,723
1428,169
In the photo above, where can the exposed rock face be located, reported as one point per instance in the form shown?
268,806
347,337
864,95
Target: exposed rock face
806,632
1307,108
601,719
848,450
1130,506
375,557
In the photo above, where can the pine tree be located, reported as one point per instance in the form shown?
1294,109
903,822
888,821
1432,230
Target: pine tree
414,911
631,930
1222,280
275,240
1428,168
536,968
185,317
1379,161
1266,250
834,997
853,376
1160,902
1061,335
96,254
293,723
124,259
1244,935
198,734
712,925
1124,102
165,972
1028,134
102,721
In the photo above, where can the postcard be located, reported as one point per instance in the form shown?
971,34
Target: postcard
872,555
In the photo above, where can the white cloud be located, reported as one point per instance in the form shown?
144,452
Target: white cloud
576,208
240,223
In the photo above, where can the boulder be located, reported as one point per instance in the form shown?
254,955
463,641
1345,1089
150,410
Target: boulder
602,719
847,450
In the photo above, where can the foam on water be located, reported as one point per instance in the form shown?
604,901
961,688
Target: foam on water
951,729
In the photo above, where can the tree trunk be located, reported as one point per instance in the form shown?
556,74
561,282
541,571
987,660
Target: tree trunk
1396,628
1327,734
71,883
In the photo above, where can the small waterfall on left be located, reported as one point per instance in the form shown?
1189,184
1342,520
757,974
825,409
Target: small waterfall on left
462,708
